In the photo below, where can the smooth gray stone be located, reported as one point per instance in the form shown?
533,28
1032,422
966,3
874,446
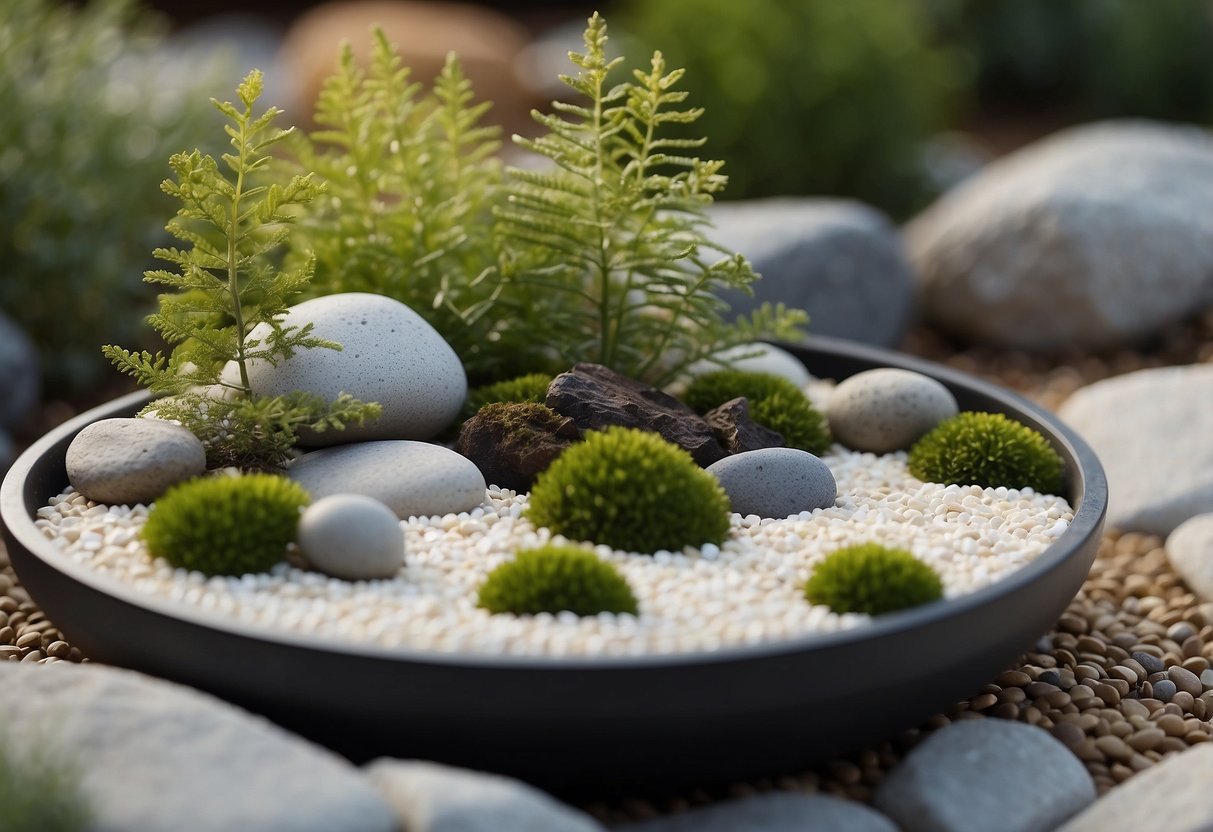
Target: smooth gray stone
986,774
129,461
351,536
158,757
887,409
775,482
20,377
1190,550
410,478
428,797
1153,433
1093,238
841,261
1172,794
777,812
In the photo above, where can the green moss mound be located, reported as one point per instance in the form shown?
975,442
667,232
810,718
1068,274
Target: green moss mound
226,525
532,387
774,402
40,792
986,449
872,579
630,490
556,578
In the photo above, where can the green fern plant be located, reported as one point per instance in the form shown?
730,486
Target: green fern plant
411,176
226,285
608,247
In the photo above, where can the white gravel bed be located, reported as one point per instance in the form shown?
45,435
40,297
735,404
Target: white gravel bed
748,590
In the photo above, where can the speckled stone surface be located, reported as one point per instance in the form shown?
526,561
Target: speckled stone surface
390,355
1190,551
758,358
776,812
775,482
351,536
128,461
410,478
887,409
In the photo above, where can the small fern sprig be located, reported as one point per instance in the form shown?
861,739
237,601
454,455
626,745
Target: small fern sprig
611,244
411,174
227,284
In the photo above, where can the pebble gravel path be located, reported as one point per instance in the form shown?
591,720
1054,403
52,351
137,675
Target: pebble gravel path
1124,679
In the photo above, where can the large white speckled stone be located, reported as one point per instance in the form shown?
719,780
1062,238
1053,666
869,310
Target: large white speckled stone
351,536
775,482
1092,238
1153,433
158,757
410,478
390,355
1190,550
429,797
128,461
887,409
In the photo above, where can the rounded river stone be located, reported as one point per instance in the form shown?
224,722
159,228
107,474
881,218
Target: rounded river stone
887,409
775,482
128,461
351,536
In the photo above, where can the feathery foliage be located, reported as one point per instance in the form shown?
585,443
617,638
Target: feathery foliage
610,243
411,176
227,284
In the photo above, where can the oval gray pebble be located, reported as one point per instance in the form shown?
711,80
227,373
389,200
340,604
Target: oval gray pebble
1164,689
351,536
775,482
129,461
887,409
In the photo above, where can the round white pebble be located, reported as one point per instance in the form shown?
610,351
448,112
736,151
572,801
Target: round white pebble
352,536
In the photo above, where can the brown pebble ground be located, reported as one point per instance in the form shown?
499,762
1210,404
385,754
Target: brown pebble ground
1093,681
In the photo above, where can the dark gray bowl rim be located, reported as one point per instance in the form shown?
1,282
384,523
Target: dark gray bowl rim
1088,497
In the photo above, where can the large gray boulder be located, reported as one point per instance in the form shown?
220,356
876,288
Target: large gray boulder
151,756
776,812
986,774
1153,432
1095,237
19,373
841,261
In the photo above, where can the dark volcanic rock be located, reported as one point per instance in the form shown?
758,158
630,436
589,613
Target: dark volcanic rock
737,432
513,442
596,397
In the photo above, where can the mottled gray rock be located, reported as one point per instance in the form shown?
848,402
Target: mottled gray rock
351,536
1190,550
841,261
410,478
777,812
1153,432
428,797
775,482
737,432
19,373
390,355
1093,238
156,756
887,409
512,443
756,358
1173,794
597,397
986,774
128,461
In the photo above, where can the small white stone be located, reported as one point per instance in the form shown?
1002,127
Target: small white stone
352,536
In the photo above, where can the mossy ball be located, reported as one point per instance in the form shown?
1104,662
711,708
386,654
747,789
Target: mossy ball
226,525
553,579
872,579
989,450
532,387
774,401
631,490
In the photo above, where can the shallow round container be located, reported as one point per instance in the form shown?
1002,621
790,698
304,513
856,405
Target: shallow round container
587,725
